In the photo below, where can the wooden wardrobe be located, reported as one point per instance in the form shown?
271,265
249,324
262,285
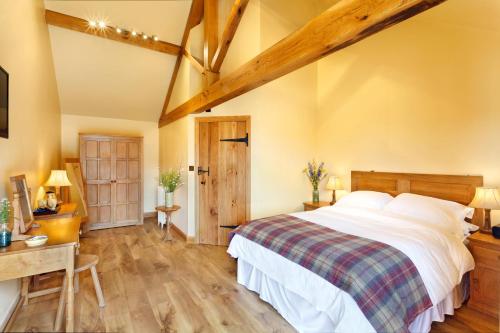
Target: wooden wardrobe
112,172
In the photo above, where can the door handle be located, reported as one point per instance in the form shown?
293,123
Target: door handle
201,171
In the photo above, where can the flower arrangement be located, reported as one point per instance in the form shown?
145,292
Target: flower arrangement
171,180
4,211
315,173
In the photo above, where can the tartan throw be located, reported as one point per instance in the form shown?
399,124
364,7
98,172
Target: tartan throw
382,280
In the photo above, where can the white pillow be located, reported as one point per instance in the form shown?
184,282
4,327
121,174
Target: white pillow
445,214
365,199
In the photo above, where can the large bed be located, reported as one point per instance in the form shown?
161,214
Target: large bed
310,303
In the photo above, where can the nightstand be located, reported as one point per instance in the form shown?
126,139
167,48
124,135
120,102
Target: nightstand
485,281
315,205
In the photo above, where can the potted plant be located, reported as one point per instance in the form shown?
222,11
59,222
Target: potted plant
5,233
170,181
315,173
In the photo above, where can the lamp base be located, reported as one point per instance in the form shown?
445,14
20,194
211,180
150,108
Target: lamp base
486,228
333,199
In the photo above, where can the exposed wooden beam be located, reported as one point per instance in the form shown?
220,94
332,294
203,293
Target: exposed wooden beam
233,21
194,18
194,61
211,21
344,24
81,25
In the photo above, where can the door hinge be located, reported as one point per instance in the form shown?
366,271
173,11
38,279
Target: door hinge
244,140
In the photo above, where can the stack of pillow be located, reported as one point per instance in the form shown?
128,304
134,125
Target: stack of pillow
448,214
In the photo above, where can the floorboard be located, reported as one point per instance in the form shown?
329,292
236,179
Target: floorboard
155,286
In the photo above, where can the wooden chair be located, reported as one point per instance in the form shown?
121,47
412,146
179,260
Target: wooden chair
82,262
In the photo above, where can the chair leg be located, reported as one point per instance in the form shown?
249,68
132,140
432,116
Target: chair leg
76,283
60,308
97,286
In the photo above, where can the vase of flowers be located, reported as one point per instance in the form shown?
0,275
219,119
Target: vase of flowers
5,233
315,173
170,181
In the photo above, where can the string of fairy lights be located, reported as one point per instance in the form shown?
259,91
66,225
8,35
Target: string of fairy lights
102,25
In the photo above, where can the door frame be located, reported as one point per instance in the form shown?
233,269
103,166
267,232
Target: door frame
199,120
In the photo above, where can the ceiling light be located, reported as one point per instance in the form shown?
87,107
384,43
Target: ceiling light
118,30
144,36
134,33
93,24
102,24
155,38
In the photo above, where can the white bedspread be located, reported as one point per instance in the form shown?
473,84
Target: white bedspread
441,260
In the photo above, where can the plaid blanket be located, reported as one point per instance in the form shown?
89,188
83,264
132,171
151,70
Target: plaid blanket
382,280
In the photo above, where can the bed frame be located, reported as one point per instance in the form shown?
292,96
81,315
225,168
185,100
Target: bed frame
448,187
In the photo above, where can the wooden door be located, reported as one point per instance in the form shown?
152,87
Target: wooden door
223,177
112,172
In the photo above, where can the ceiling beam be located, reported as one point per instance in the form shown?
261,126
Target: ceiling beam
194,18
81,25
345,23
197,64
211,21
232,23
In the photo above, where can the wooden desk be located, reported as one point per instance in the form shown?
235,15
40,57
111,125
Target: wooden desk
66,210
58,253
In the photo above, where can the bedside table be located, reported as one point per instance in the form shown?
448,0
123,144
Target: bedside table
485,281
309,205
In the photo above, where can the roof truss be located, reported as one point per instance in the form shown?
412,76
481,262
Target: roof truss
345,23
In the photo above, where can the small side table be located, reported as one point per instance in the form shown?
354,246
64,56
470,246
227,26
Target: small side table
168,212
315,205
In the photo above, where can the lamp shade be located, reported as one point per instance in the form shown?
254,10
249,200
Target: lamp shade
334,184
486,197
58,178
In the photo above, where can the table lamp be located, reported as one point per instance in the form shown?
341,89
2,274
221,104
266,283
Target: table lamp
486,198
333,185
57,179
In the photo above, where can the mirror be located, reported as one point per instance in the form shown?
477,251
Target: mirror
23,214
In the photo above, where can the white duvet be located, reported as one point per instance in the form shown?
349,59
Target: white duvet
441,260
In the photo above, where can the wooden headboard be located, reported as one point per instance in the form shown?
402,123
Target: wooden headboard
448,187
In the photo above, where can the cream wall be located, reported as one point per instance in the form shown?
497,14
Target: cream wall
419,97
34,117
282,129
72,125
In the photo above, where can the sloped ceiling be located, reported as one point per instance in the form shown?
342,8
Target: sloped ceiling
104,78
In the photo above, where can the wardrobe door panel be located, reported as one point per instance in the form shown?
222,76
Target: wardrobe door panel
91,170
133,192
121,193
121,169
133,169
133,150
92,194
121,150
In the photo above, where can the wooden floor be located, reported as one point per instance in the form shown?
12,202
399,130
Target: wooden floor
155,286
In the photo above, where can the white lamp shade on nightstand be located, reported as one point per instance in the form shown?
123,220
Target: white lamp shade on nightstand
487,198
58,178
334,184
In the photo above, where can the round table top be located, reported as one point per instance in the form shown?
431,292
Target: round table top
168,209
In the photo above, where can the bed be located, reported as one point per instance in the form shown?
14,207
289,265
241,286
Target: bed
310,302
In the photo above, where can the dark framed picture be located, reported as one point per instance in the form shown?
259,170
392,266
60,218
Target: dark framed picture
4,103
